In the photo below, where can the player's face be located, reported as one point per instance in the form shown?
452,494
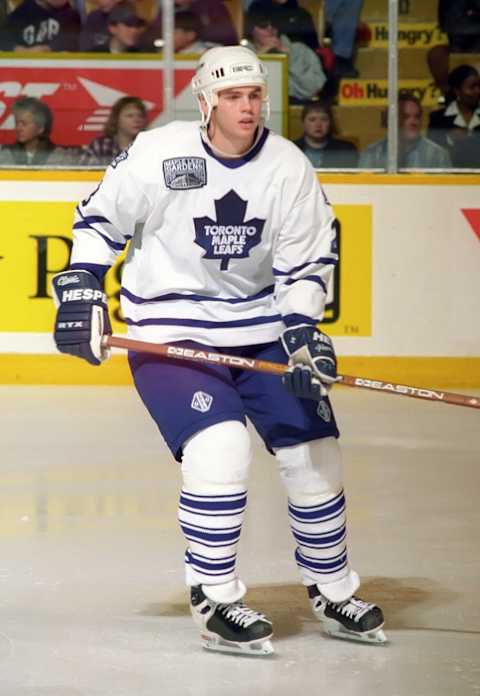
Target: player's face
237,114
317,125
25,127
131,121
410,120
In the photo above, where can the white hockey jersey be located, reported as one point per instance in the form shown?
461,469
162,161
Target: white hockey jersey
224,252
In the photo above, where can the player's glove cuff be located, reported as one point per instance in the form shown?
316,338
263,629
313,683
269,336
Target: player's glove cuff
82,317
307,345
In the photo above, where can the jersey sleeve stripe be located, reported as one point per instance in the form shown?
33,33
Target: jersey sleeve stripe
312,278
86,224
325,260
90,219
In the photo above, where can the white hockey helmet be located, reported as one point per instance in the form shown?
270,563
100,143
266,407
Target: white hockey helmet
223,67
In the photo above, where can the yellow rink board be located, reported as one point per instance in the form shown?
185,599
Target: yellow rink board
444,372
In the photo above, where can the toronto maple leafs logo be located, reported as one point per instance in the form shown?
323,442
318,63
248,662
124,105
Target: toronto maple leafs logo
230,236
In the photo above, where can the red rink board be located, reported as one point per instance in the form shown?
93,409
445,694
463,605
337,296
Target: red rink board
81,93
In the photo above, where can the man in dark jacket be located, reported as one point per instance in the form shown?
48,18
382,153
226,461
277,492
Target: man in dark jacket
41,25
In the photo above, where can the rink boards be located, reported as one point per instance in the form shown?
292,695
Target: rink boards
404,304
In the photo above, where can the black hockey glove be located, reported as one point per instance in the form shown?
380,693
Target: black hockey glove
82,316
312,361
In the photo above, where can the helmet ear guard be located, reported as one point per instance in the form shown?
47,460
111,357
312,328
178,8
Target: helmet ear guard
226,67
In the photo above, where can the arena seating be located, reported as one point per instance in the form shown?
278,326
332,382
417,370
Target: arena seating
362,120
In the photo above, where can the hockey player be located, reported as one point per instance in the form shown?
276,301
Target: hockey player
232,247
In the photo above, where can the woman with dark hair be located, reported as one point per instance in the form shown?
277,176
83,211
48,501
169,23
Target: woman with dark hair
33,125
461,116
127,118
318,144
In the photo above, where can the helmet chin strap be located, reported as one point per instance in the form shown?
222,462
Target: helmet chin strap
210,104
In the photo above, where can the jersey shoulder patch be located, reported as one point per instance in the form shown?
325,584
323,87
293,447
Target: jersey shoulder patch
183,173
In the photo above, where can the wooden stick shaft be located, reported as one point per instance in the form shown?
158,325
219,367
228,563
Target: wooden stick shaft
212,358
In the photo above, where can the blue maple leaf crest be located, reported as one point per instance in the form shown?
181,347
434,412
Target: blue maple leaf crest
230,236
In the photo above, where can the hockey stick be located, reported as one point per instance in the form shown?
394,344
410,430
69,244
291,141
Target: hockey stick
211,358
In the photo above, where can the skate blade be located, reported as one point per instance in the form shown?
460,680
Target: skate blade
376,637
258,648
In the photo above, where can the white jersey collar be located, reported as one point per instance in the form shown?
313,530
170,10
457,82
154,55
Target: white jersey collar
234,161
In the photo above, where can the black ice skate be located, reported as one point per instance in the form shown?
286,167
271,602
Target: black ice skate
232,628
352,619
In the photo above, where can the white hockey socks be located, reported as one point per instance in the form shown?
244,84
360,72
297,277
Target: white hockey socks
212,505
312,474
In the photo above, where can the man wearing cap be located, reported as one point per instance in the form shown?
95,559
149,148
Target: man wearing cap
125,28
95,35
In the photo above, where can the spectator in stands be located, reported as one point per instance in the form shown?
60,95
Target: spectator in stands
127,118
305,73
41,25
290,19
460,20
414,150
318,142
125,27
214,22
186,34
33,125
95,35
461,116
342,18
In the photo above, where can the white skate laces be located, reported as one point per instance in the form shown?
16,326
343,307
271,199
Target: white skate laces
233,627
239,614
353,608
352,619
